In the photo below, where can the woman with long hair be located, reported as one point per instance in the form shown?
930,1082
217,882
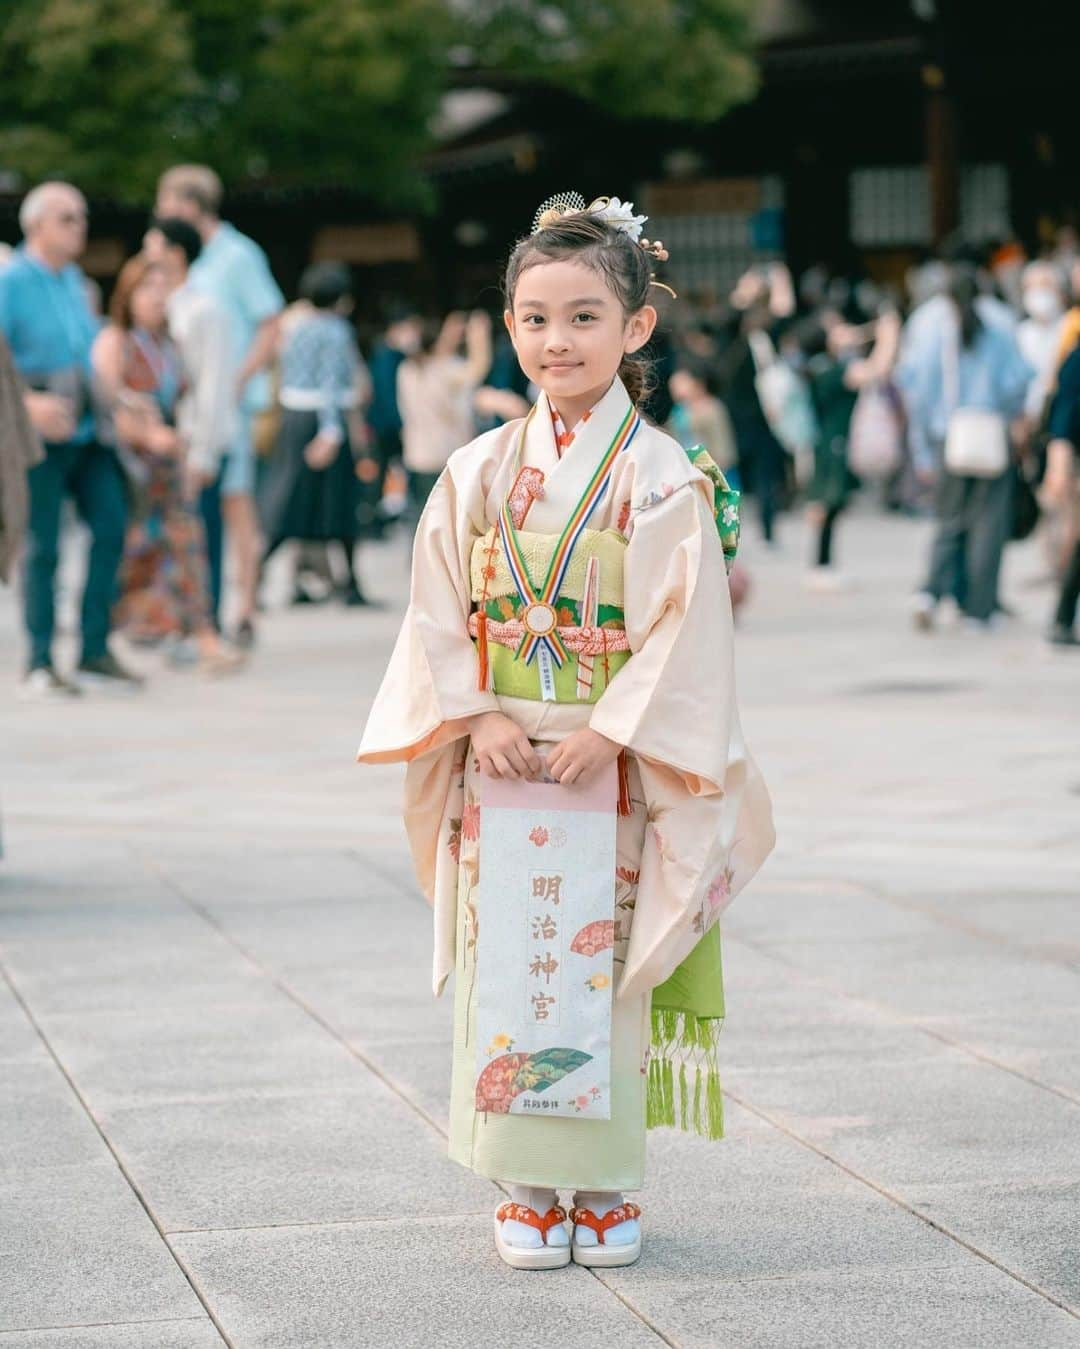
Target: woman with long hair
164,587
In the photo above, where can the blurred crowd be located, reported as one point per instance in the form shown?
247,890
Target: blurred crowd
202,420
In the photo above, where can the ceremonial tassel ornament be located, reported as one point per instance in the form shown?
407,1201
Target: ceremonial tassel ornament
691,1098
590,618
484,679
626,806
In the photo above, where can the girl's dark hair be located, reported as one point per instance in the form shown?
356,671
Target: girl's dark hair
963,291
323,284
624,265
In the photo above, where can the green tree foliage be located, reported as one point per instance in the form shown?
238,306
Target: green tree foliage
670,59
110,92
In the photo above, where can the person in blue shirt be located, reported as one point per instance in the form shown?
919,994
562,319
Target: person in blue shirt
232,269
963,361
46,319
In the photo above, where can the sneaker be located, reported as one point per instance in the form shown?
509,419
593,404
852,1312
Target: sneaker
43,684
923,605
1060,635
106,672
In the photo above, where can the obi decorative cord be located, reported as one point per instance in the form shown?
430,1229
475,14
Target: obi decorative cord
538,614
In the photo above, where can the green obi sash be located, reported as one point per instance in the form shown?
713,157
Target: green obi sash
494,594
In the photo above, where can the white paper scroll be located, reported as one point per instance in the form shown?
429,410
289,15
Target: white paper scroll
545,947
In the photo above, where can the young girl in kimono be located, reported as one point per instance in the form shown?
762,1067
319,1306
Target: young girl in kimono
622,523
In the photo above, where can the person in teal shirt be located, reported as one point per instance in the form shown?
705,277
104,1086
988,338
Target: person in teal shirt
46,320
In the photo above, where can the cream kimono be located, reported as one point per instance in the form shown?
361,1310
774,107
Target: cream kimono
701,824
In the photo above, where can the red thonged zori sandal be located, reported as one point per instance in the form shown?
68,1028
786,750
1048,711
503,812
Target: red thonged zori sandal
602,1254
531,1257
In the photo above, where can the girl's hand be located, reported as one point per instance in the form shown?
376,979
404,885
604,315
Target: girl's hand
581,755
503,748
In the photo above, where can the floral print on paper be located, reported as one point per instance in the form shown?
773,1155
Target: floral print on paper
585,1100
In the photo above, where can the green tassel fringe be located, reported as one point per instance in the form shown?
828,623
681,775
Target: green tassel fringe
696,1107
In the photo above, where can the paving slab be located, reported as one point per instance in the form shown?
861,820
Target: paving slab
191,1333
208,1051
971,1306
314,1156
371,1285
77,1247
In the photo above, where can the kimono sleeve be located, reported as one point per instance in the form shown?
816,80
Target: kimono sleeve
431,685
672,702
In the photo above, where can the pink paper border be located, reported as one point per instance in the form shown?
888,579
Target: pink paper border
601,793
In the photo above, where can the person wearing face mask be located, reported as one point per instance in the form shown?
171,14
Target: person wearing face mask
1039,334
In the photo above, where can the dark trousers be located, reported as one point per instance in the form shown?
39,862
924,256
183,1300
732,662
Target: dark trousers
210,510
90,474
1070,591
825,538
420,488
974,523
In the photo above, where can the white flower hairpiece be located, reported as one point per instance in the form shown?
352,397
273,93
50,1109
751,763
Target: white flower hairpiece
620,214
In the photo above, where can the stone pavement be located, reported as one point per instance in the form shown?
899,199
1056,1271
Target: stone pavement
224,1081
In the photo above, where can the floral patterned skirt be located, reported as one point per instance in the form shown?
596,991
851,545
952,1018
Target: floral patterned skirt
164,586
563,1153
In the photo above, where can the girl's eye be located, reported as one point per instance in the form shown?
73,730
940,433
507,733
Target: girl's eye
533,320
587,317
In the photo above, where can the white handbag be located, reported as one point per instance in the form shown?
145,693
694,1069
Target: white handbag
976,444
976,439
783,395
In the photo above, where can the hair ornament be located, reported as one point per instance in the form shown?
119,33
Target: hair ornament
620,214
562,203
615,212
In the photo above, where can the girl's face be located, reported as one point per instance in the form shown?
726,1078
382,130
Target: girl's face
569,330
148,301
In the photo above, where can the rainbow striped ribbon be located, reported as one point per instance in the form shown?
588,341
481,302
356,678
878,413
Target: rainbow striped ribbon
539,615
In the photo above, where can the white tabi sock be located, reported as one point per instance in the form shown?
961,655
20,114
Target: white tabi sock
521,1234
601,1202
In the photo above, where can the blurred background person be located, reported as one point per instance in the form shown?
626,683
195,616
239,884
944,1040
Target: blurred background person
401,338
1061,489
763,306
163,590
20,450
1044,297
47,323
435,390
309,492
965,366
202,332
232,269
698,417
844,360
